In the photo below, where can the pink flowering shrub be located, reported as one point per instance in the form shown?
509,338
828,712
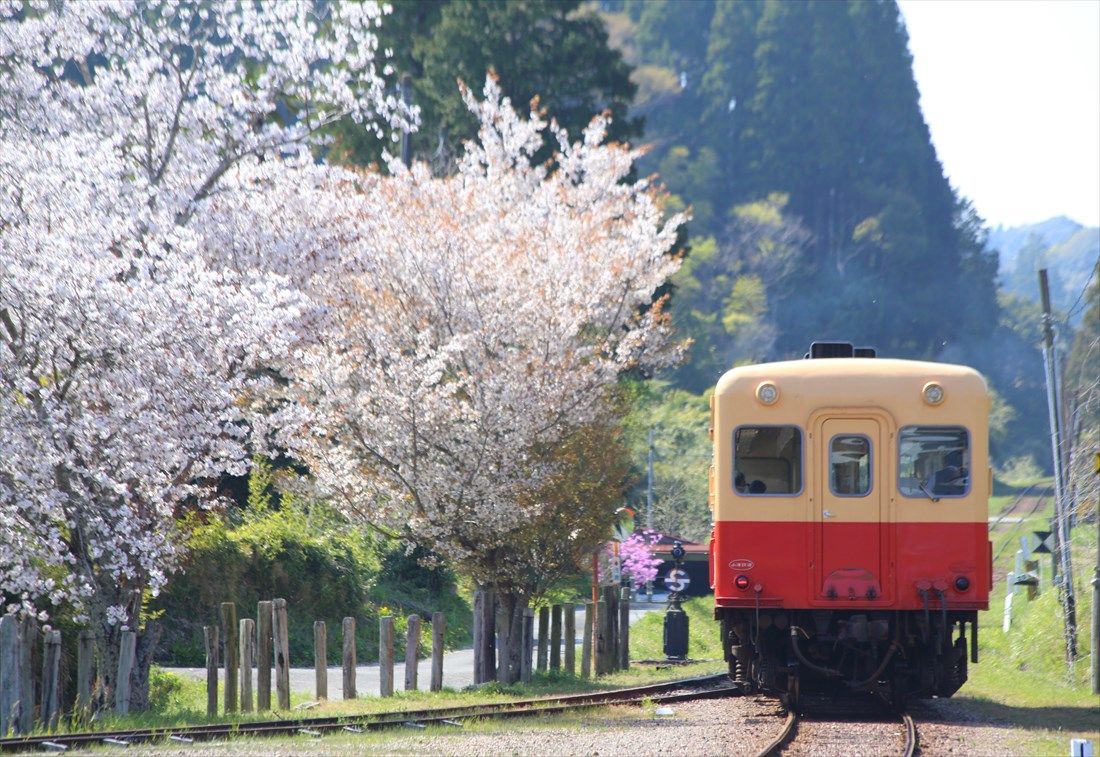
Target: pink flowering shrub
639,564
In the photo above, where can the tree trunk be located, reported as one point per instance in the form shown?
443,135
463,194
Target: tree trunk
509,622
484,634
146,646
107,640
107,644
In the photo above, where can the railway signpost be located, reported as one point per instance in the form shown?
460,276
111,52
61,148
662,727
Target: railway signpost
676,620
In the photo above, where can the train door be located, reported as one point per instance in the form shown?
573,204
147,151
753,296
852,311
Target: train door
851,505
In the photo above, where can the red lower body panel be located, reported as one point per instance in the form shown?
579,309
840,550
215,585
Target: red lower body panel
851,565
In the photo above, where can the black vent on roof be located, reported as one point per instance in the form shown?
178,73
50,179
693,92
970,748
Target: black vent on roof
831,349
838,349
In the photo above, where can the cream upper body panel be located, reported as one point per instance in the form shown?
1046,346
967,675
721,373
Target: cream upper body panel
890,393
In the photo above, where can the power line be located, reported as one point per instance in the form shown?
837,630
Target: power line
1084,290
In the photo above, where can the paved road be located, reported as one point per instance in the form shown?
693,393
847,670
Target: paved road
458,666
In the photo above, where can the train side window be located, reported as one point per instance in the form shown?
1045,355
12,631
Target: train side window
767,460
850,465
934,461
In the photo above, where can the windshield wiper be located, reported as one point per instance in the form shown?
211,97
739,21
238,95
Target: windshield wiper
924,489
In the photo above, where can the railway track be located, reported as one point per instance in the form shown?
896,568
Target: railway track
849,741
1040,499
704,687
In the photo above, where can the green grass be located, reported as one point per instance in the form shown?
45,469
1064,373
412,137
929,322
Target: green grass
647,635
1022,678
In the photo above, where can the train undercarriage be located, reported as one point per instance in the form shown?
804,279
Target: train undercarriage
897,655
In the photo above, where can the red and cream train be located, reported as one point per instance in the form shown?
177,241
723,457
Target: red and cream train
850,502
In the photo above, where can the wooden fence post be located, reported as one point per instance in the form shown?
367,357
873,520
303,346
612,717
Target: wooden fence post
385,655
85,674
624,628
264,645
11,696
126,659
544,622
29,628
555,637
210,638
349,662
586,640
51,671
439,626
320,659
412,652
282,653
601,638
248,653
528,643
611,658
229,628
569,636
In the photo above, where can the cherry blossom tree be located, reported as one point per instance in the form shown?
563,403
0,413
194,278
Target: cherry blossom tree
493,314
130,355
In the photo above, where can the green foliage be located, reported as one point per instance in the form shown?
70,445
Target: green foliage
679,420
261,486
723,291
163,686
307,554
554,49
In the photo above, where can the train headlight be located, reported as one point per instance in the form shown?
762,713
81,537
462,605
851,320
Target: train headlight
962,583
741,582
767,393
933,393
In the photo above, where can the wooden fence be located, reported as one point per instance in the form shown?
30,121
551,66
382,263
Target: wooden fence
265,644
233,648
236,646
605,637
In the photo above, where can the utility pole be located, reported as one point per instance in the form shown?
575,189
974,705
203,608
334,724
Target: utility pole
649,486
1096,594
1050,362
649,505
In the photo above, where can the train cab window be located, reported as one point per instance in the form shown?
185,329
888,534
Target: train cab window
767,460
850,465
934,461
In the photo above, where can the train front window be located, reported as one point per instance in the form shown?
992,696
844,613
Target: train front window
767,460
850,465
934,461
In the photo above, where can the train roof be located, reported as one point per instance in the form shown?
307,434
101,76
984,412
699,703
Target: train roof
853,375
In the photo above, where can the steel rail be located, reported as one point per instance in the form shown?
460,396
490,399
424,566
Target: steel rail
1011,506
1040,499
911,742
790,727
671,691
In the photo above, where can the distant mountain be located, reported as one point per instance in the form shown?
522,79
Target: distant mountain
1010,240
1068,250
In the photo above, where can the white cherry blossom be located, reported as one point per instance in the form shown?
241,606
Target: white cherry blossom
130,353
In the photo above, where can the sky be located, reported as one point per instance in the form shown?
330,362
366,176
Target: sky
1011,93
